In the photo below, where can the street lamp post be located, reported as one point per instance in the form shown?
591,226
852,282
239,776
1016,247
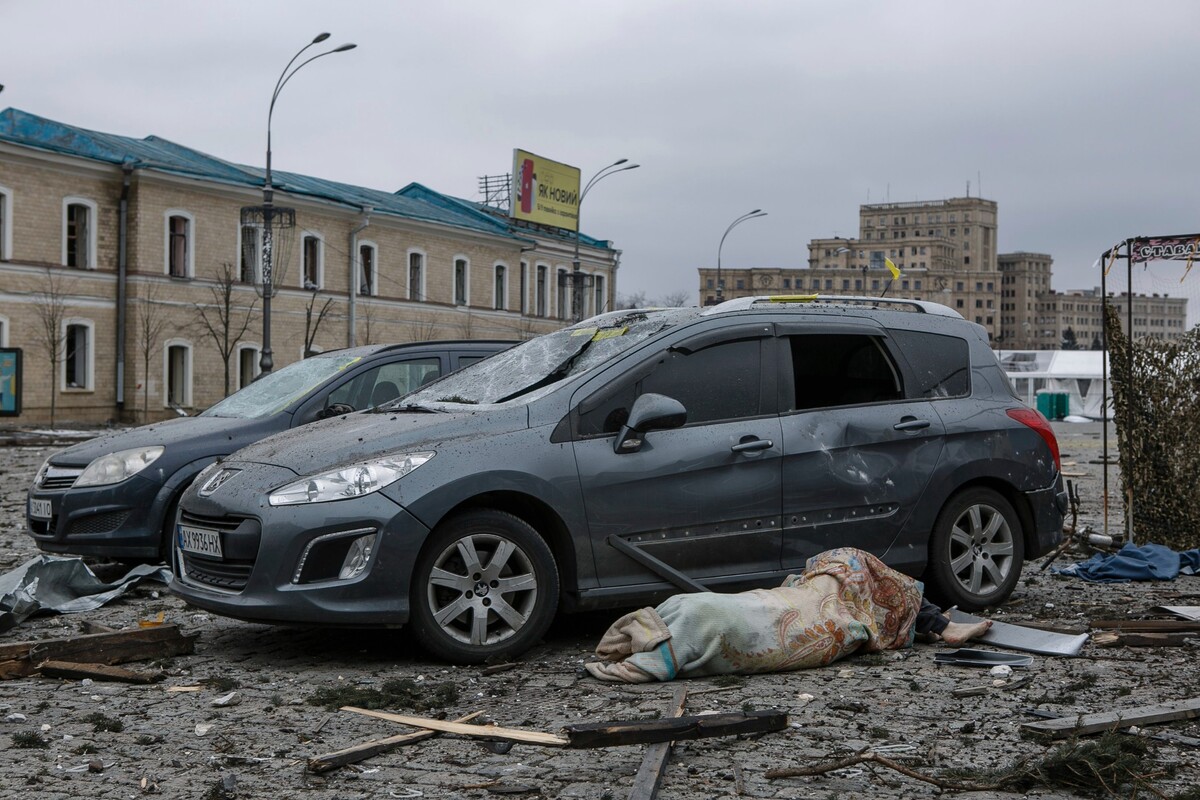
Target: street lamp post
755,214
577,278
268,214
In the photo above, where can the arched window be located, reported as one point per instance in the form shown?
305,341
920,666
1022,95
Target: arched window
177,373
3,331
248,356
312,254
416,275
79,233
6,224
78,355
500,287
368,280
564,294
250,253
462,281
179,260
542,307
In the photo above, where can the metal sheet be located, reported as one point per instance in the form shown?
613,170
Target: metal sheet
1185,612
1030,640
981,658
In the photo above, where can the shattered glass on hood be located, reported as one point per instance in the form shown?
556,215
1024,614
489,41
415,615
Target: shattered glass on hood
548,359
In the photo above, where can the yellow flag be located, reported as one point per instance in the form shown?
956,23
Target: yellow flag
892,268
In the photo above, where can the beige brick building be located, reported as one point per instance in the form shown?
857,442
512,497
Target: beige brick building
121,244
946,252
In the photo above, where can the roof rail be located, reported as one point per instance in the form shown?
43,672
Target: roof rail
920,306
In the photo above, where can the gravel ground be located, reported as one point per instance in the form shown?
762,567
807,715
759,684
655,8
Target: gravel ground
178,744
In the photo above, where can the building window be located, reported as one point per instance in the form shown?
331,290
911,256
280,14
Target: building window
462,281
740,283
416,276
177,374
313,255
366,269
542,290
5,224
79,233
499,288
601,301
180,262
524,287
250,260
564,295
247,364
78,355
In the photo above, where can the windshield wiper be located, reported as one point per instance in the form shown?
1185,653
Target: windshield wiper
409,408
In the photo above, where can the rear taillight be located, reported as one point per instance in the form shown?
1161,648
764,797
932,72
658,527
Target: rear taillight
1027,416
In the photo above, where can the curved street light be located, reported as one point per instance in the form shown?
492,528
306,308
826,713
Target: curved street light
577,279
268,212
755,214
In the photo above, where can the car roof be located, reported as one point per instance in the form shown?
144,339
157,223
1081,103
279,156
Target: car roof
804,302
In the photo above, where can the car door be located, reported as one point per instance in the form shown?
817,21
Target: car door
705,497
858,450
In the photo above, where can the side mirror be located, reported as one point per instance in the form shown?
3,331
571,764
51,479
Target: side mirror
337,409
650,412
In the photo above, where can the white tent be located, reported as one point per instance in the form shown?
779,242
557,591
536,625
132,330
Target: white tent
1075,373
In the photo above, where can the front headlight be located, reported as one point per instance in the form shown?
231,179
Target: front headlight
353,481
116,467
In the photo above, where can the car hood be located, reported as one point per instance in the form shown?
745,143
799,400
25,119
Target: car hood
365,435
222,432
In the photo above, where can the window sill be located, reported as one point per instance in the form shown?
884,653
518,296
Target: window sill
76,390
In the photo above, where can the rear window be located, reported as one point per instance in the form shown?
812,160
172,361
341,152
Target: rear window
941,365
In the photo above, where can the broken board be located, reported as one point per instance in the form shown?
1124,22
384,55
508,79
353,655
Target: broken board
1030,640
1084,724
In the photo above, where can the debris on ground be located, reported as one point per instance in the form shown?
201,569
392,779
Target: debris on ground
65,585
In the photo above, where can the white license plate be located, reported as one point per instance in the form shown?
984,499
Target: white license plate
40,509
199,540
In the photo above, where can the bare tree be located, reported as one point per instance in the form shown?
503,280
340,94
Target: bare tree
371,321
222,321
50,305
311,326
674,299
635,300
422,330
151,323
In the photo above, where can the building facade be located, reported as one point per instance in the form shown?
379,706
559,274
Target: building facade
946,251
131,284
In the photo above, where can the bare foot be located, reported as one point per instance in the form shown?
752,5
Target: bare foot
962,632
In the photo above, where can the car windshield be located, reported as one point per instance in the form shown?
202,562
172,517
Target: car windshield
272,393
547,359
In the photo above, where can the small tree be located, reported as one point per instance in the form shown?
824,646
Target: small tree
1069,341
221,321
311,326
421,330
674,299
50,305
635,300
152,322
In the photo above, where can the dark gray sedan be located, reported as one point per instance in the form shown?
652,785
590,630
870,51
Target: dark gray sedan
631,455
113,496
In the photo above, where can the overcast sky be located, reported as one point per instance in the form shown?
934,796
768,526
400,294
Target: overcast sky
1079,118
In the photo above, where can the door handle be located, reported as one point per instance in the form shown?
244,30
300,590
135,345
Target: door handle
753,446
911,424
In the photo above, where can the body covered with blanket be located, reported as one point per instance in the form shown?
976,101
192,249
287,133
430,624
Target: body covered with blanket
846,601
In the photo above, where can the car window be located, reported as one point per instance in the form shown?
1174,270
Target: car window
841,370
940,365
276,391
385,383
720,382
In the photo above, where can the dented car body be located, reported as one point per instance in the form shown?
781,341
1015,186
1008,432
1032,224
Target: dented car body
607,464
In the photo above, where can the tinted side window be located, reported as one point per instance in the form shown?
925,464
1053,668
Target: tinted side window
941,365
842,370
385,382
720,382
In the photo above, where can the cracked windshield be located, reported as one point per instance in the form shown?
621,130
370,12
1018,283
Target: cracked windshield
277,390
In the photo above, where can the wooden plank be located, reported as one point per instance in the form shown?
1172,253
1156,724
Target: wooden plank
134,644
361,752
648,731
462,729
17,668
1084,724
654,763
102,672
1119,639
1146,625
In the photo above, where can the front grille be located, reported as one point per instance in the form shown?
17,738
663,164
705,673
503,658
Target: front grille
212,523
228,574
98,523
60,477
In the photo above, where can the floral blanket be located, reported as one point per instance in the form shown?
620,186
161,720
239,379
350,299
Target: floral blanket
845,601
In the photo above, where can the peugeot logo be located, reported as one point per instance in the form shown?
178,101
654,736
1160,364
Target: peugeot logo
217,481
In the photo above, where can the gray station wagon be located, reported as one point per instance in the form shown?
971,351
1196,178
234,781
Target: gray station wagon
629,456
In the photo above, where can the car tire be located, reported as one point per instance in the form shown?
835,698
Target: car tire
468,607
976,551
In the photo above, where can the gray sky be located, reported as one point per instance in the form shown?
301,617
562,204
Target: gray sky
1078,118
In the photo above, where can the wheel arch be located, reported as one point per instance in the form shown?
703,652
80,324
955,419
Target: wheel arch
1015,498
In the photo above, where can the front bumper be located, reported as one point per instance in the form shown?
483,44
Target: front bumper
256,578
124,520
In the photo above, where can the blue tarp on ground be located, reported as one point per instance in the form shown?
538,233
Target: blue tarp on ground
1149,562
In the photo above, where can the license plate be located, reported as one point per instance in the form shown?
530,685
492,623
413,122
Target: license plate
40,509
199,540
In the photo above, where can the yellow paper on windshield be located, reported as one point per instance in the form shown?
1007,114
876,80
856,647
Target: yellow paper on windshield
610,333
792,298
584,332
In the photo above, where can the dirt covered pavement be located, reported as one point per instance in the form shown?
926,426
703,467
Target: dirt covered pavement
75,738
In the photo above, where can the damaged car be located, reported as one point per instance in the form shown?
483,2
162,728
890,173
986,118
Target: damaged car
115,496
629,456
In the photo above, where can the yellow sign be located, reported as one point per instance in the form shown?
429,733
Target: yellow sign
544,191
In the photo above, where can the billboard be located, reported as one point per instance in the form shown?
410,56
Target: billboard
10,382
544,191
